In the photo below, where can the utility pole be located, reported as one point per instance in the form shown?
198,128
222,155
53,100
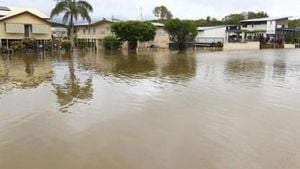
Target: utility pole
141,15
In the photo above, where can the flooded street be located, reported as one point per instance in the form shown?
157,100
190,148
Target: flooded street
152,110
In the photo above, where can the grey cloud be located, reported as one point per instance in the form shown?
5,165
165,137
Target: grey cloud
192,9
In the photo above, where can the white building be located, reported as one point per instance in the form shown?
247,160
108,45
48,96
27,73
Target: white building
212,34
252,29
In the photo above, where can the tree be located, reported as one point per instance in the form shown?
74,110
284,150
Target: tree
208,18
134,31
181,32
111,43
253,15
208,21
294,23
234,19
71,10
162,13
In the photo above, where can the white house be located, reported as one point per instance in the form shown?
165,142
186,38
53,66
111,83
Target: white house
253,28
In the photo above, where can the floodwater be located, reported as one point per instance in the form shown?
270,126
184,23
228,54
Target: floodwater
151,110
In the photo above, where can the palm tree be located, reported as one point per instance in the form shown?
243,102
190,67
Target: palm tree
71,10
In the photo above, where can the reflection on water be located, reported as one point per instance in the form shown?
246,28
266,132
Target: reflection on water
72,91
134,65
21,71
249,71
152,109
280,70
29,67
181,66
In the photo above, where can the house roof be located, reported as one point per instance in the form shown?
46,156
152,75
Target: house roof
17,11
109,21
265,19
158,24
94,23
211,27
59,29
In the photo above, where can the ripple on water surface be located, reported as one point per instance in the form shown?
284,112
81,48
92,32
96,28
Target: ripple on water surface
154,109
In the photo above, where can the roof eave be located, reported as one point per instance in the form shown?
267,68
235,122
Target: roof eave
263,20
8,17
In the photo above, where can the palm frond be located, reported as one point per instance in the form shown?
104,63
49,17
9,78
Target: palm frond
72,10
85,5
60,7
66,17
84,14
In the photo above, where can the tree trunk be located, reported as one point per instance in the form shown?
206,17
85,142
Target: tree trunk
181,45
71,33
132,45
72,37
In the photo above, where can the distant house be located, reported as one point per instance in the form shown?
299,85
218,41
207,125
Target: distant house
216,34
252,29
161,39
92,34
248,30
59,33
20,23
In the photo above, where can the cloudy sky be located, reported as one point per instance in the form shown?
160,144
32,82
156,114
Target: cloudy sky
185,9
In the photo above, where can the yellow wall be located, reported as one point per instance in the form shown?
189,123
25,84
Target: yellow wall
241,46
25,18
98,34
161,39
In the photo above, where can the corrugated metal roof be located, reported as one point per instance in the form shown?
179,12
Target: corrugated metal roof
93,23
264,19
59,29
210,27
105,20
158,24
4,8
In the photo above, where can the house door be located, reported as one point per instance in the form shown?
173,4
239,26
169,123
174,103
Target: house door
27,30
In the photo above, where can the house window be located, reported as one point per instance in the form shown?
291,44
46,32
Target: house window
105,30
83,30
89,30
94,31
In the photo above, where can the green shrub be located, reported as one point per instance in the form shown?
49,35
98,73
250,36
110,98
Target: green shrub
16,45
2,48
66,45
29,44
134,32
111,43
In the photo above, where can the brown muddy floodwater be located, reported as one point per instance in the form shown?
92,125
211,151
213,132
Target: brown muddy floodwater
152,110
